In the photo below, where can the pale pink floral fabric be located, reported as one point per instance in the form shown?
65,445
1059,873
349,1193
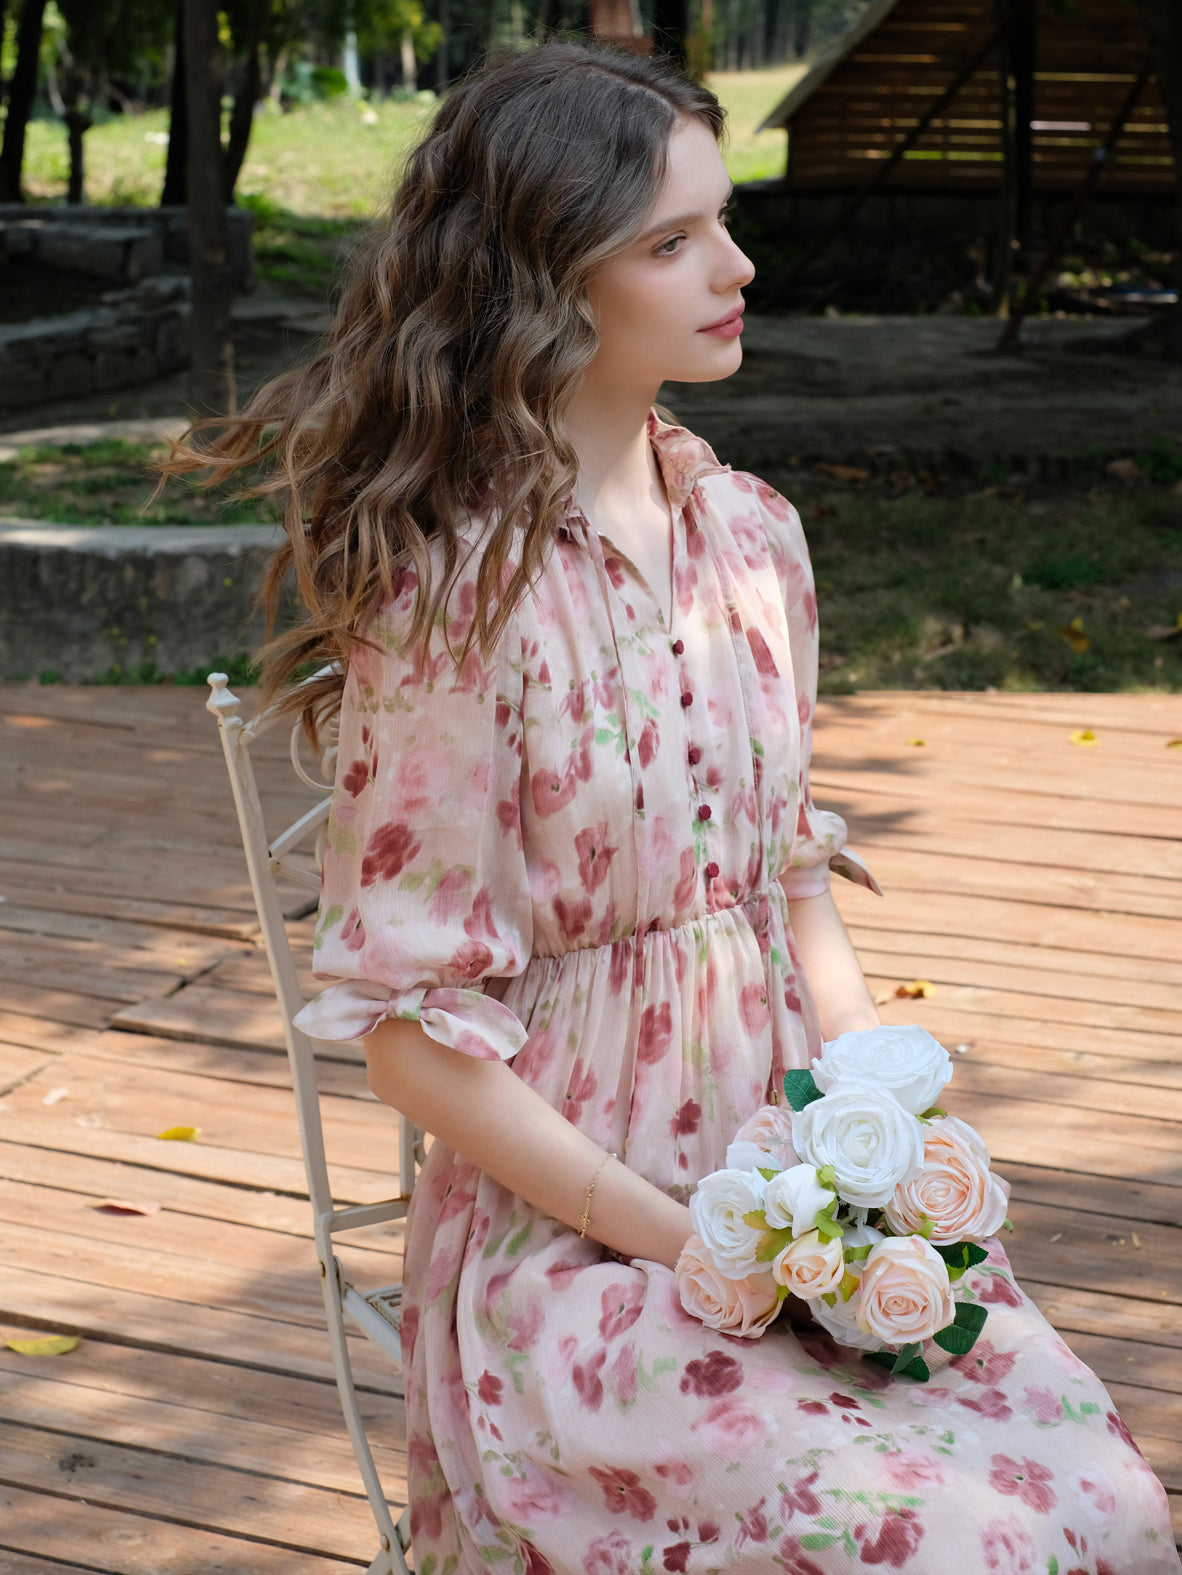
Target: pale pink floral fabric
576,855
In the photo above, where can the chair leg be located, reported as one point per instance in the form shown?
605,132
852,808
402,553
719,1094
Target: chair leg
395,1539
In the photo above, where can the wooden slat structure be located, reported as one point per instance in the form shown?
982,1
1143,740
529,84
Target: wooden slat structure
1036,883
874,85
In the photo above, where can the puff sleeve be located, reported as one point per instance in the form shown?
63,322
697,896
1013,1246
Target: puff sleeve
425,897
819,845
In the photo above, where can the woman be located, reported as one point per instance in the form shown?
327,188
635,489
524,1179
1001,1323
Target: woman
576,893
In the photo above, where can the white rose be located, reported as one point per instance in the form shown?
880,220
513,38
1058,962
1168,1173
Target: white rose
743,1154
904,1058
865,1134
810,1267
793,1199
770,1129
841,1319
716,1213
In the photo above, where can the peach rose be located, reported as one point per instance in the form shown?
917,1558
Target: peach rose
955,1189
744,1307
810,1267
770,1129
904,1294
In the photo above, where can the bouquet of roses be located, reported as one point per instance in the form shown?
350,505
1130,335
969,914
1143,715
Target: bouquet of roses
864,1198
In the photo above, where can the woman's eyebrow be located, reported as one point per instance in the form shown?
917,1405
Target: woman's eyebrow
680,221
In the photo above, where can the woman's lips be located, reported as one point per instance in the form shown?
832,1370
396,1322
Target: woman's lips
728,327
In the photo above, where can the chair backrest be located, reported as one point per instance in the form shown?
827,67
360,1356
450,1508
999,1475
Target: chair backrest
286,857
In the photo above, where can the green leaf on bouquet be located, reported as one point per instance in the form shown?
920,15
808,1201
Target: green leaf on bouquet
913,1365
800,1089
926,1229
957,1340
773,1242
858,1254
827,1177
905,1355
931,1114
828,1229
960,1256
756,1218
767,1172
970,1315
1007,1224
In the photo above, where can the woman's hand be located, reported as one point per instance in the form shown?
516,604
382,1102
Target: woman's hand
487,1114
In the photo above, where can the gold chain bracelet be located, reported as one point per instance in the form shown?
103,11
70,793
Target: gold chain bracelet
585,1216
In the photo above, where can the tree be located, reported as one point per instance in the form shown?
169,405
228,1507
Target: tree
1163,24
21,94
211,375
175,192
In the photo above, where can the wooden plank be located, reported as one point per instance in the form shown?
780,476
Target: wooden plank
340,1071
1134,1200
188,955
1131,1362
48,1299
1096,1312
219,1392
240,1503
120,1543
1086,1016
1035,976
1073,968
202,1012
97,901
16,1064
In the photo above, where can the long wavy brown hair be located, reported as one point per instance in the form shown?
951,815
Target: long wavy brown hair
461,333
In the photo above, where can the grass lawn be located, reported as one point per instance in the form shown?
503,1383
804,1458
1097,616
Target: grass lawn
920,586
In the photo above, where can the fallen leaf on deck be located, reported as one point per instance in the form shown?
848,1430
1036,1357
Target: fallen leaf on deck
55,1096
917,990
840,472
1073,633
125,1206
44,1345
917,743
1174,743
180,1134
1083,735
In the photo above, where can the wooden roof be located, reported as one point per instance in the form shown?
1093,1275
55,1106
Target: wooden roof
873,84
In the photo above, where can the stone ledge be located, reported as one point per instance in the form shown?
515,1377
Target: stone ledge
78,600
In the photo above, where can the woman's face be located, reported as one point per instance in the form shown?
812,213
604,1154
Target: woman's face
658,302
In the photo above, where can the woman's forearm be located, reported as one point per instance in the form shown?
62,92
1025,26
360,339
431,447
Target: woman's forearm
834,974
486,1113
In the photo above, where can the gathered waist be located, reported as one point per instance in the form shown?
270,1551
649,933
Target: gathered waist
758,901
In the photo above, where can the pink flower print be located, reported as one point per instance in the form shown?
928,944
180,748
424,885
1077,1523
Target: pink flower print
623,1374
587,1382
356,777
1006,1548
765,662
536,1563
527,1324
990,1403
754,1012
550,791
899,1535
984,1365
1097,1487
656,1033
449,896
998,1289
732,1425
647,744
753,1525
580,1089
610,1555
471,959
1117,1427
623,1493
582,761
677,1557
537,1494
1045,1405
799,1495
1025,1478
813,1407
795,1560
709,1376
595,855
687,1120
908,1470
509,814
573,917
621,1304
387,853
615,572
353,931
489,1388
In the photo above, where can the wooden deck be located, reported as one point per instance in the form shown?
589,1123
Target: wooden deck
1036,883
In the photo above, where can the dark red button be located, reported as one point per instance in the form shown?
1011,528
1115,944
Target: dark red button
687,698
704,812
695,754
711,870
678,647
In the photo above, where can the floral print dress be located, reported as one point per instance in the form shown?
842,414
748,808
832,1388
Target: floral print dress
577,855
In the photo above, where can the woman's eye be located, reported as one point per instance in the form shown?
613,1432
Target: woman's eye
670,247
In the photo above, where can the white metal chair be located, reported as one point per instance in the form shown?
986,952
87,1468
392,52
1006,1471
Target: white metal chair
376,1313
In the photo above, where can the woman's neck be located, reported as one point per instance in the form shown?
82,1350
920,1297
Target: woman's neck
609,433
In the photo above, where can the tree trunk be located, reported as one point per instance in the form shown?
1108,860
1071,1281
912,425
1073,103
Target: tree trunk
78,123
1163,24
211,376
21,94
410,72
175,193
249,91
671,28
443,60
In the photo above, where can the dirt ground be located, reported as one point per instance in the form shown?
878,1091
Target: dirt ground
930,389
